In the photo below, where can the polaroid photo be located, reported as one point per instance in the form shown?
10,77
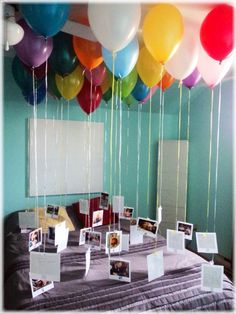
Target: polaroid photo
97,218
159,214
104,201
186,228
147,227
136,237
59,229
127,212
51,234
52,211
35,239
155,265
117,204
206,242
39,286
125,242
84,206
45,265
82,235
62,244
212,278
27,220
175,241
93,239
119,270
113,241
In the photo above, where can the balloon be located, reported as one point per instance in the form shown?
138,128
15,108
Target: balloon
45,19
97,75
89,97
149,70
22,76
162,31
39,72
106,84
114,24
140,90
151,92
13,33
52,86
35,97
124,59
63,59
192,79
127,84
184,61
130,100
33,49
166,81
107,95
211,70
88,52
70,85
217,32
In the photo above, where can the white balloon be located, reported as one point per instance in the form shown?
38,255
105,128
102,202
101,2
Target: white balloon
185,59
13,33
211,70
114,24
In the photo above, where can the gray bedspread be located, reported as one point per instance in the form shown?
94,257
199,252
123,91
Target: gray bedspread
178,289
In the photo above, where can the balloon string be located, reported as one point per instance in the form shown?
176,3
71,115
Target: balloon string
115,154
210,159
67,151
178,151
149,154
127,153
138,157
90,135
61,119
105,155
28,164
120,139
162,141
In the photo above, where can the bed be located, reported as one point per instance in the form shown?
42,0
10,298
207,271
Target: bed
177,290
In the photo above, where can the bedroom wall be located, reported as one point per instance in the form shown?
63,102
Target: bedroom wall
16,113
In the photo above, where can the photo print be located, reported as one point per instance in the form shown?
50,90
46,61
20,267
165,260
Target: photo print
127,212
104,201
206,242
52,211
117,204
27,220
84,206
119,270
82,235
147,226
97,218
93,239
212,277
113,242
35,239
186,228
175,241
39,286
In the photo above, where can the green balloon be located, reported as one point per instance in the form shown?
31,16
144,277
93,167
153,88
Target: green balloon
127,84
107,95
52,86
130,100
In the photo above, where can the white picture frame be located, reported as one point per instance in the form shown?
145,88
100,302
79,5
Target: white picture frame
175,241
35,239
212,277
185,227
97,218
147,226
119,269
206,242
39,286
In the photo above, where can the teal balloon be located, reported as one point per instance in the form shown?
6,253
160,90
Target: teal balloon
52,86
23,77
45,19
107,95
63,59
124,59
140,90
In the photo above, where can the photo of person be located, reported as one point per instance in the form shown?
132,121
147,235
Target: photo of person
82,235
52,211
185,227
147,226
113,241
93,239
35,239
119,270
133,222
97,218
127,212
104,201
39,286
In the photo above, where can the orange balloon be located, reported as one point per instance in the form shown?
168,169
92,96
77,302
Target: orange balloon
88,52
166,81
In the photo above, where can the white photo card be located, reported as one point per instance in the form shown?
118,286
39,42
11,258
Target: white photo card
35,239
120,269
39,286
186,228
82,235
206,242
127,212
155,265
27,220
113,241
175,241
97,218
93,239
212,277
147,226
84,206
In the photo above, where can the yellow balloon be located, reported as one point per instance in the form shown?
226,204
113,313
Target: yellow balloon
70,85
163,30
149,70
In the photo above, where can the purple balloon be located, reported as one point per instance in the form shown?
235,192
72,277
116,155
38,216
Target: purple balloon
96,75
33,49
192,80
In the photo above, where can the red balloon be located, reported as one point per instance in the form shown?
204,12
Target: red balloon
89,97
39,72
217,32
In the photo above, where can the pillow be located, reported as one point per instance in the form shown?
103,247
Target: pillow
45,222
93,206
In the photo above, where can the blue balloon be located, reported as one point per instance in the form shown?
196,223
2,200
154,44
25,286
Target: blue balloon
38,96
124,59
140,90
45,19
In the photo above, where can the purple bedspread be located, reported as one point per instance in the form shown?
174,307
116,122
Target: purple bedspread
179,288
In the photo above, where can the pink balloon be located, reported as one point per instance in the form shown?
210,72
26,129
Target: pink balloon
33,49
152,91
96,75
213,71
